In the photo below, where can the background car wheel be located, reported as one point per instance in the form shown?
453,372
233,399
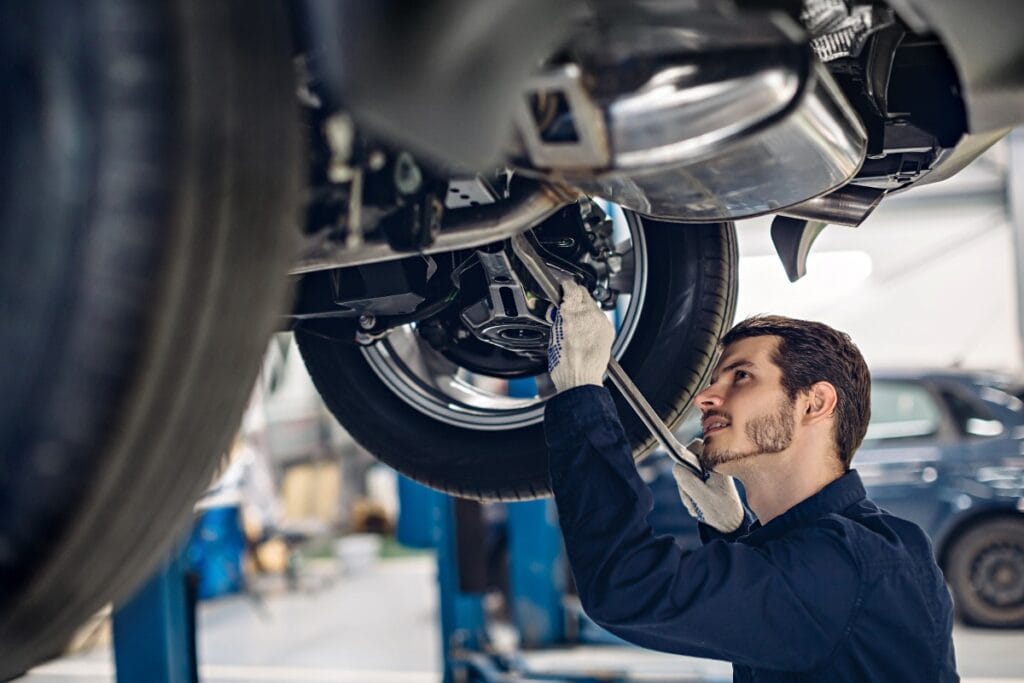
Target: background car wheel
985,567
148,190
437,429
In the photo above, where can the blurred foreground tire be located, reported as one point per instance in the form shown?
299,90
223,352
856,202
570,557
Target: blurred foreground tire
148,212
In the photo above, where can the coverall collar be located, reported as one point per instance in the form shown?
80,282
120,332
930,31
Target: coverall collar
834,498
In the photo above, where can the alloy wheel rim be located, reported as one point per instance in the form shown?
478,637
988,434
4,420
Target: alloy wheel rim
437,387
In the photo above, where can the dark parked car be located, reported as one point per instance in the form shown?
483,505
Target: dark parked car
945,449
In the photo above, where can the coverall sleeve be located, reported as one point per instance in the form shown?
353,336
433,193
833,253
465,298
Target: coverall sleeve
709,533
782,605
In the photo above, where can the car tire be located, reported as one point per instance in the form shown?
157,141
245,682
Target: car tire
148,215
985,569
689,303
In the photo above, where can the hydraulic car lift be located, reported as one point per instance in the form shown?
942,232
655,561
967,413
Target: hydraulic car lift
155,631
539,607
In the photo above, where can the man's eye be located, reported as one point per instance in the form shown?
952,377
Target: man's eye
741,374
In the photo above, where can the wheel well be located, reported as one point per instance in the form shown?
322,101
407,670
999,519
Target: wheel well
967,523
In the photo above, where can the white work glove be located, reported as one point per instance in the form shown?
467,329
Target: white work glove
715,501
581,340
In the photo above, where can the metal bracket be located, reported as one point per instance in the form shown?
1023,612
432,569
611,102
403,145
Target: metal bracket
793,238
590,148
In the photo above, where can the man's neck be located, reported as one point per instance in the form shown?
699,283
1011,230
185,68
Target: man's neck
775,483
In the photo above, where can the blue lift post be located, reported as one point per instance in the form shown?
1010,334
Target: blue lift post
538,575
154,632
537,567
537,578
427,520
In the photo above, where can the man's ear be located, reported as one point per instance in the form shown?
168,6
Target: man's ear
821,402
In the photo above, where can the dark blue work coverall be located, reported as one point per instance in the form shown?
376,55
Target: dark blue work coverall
835,589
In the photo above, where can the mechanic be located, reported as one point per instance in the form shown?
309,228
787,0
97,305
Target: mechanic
823,586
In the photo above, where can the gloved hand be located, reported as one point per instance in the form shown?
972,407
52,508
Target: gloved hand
581,340
715,501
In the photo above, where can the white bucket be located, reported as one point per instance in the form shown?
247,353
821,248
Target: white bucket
358,552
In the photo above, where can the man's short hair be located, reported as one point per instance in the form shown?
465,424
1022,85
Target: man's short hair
810,352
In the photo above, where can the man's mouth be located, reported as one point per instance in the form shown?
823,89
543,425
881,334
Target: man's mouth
713,424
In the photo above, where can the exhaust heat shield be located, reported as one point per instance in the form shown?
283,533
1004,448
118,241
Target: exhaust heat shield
688,135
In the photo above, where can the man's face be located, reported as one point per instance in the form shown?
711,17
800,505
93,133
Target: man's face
745,410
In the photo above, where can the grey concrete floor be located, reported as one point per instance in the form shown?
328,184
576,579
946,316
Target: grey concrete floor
381,626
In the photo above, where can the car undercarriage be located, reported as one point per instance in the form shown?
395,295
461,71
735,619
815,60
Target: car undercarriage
185,178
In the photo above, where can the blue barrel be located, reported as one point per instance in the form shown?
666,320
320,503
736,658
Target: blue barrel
215,551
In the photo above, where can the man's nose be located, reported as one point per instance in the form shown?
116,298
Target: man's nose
708,398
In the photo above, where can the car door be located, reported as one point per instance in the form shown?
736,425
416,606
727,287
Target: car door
987,470
901,460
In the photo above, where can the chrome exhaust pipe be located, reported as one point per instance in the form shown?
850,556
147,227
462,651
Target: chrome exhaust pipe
848,206
462,229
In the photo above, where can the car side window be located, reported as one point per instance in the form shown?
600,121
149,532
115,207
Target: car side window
972,419
902,410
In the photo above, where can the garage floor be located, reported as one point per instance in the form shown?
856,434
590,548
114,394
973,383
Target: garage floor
381,627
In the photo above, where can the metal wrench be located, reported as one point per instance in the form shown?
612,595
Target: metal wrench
553,290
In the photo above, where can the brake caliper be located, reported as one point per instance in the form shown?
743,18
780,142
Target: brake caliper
579,240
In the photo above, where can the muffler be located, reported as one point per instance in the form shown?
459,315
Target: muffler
643,114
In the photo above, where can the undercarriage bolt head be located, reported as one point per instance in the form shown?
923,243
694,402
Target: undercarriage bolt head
408,178
376,160
367,321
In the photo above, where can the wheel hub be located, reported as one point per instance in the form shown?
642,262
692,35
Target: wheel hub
507,317
527,337
999,575
503,329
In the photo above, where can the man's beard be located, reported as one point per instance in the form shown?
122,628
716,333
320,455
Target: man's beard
771,433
